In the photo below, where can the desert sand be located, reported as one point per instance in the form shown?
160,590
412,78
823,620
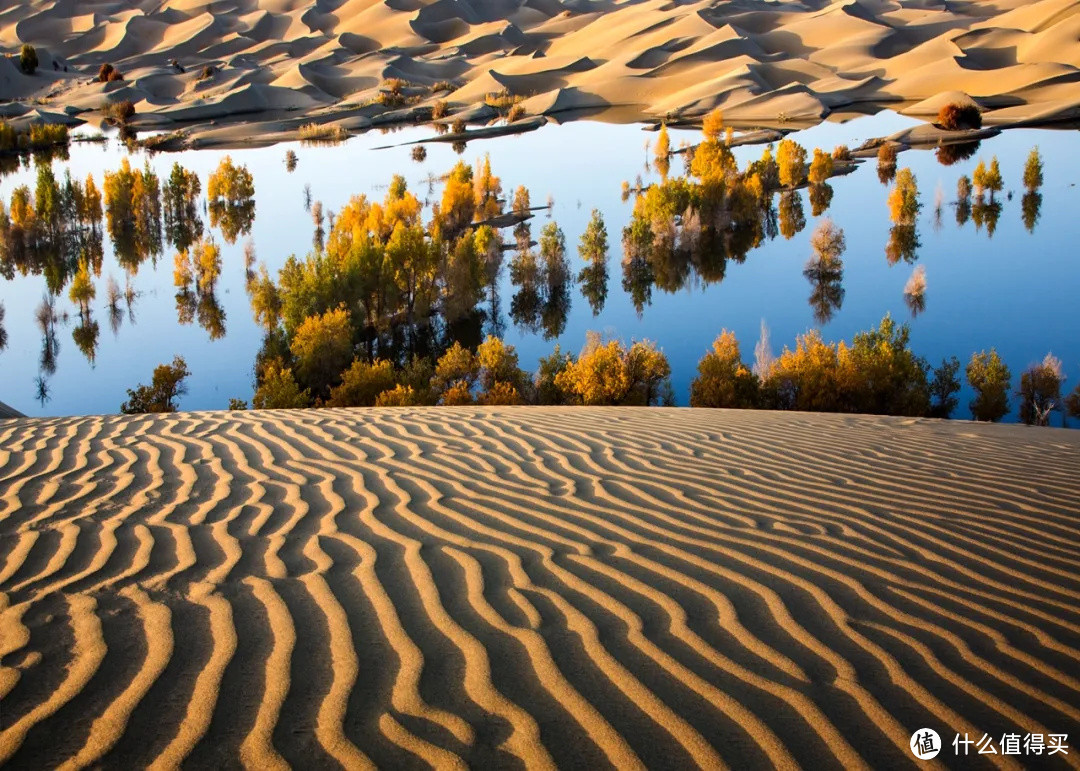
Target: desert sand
280,63
581,588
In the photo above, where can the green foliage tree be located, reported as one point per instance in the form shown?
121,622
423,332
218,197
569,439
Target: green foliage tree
990,377
944,387
547,389
501,380
165,388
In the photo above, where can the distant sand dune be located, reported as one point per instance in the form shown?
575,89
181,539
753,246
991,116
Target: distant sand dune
763,63
541,587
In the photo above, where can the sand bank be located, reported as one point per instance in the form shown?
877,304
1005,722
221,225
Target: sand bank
281,63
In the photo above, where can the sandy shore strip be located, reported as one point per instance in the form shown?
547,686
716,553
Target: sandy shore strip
282,63
540,587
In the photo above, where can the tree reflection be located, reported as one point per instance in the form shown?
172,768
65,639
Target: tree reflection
986,212
820,198
1031,205
825,271
947,155
231,193
183,225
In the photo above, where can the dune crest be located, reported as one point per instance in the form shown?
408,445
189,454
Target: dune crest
541,587
281,62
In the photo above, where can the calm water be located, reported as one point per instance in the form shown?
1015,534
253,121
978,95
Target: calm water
1015,291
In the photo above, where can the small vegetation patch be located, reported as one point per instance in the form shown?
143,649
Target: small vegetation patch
108,74
28,60
314,132
957,117
119,112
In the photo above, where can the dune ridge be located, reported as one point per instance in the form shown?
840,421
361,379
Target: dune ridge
279,64
543,587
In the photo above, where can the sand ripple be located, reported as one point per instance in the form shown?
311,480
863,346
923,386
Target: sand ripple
529,587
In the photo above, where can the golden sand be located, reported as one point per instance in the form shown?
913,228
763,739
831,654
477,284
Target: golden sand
546,587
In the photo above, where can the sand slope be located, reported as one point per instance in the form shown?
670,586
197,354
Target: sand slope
763,63
497,587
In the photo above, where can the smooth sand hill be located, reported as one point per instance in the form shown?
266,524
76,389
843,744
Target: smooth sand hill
579,588
281,62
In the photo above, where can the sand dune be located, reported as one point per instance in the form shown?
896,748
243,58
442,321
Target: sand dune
283,62
503,587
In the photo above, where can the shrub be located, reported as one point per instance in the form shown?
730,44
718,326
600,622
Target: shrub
28,60
160,396
990,377
278,389
207,72
419,153
956,117
458,127
120,112
439,109
399,396
362,384
517,112
325,132
443,85
841,153
108,74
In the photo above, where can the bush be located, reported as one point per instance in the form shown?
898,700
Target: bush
278,389
362,384
841,153
439,109
326,132
207,72
458,127
166,386
955,117
419,153
609,373
120,112
108,74
28,60
517,112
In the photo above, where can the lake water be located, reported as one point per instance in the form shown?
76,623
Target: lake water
1016,291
